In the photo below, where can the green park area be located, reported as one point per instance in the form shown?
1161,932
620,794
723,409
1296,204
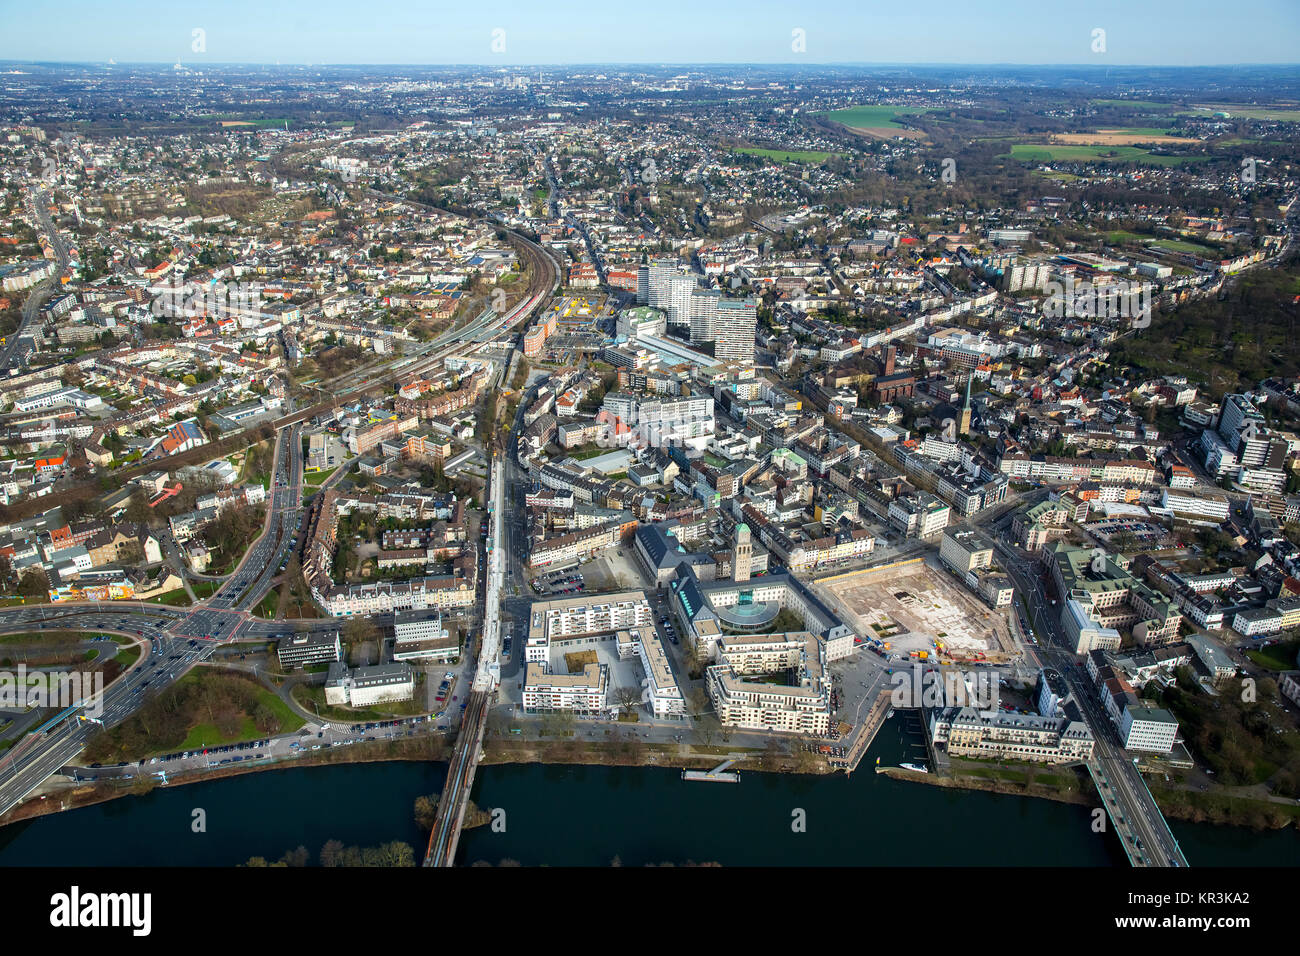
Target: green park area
317,478
1276,657
881,118
786,155
205,708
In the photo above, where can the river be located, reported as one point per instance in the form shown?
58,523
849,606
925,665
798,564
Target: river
579,815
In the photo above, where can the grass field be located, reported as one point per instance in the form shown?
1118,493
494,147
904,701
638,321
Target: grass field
1039,152
1182,245
204,589
128,656
1286,113
786,155
1278,657
1136,104
175,598
1121,235
878,120
268,605
318,477
207,735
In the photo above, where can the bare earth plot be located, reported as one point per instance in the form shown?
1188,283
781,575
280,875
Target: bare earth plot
1121,137
915,606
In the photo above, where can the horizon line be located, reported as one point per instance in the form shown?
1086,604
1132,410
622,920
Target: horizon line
664,63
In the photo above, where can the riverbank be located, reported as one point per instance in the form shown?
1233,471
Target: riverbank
72,796
576,815
1053,784
992,785
1216,808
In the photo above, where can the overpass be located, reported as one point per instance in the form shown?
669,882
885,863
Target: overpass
487,675
1134,814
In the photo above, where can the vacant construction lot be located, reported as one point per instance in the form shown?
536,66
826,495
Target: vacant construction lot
915,606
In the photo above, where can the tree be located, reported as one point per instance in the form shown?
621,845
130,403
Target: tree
137,509
707,729
296,857
33,583
426,811
331,853
628,698
359,630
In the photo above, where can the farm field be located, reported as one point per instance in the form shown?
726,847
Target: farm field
1121,137
1040,152
1135,104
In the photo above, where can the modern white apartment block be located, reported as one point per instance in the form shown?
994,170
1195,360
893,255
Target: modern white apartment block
660,692
586,694
552,622
1214,507
802,707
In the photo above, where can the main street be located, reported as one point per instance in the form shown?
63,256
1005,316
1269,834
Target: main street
1133,812
11,354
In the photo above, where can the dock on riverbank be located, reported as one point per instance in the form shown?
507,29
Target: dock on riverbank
871,725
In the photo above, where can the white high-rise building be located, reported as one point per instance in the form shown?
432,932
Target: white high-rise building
733,330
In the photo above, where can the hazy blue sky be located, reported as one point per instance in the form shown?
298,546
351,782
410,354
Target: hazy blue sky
1190,32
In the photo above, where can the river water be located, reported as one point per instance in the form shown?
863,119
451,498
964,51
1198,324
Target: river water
578,815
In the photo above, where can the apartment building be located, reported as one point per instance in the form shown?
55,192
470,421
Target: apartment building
801,707
554,622
422,635
920,516
585,694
